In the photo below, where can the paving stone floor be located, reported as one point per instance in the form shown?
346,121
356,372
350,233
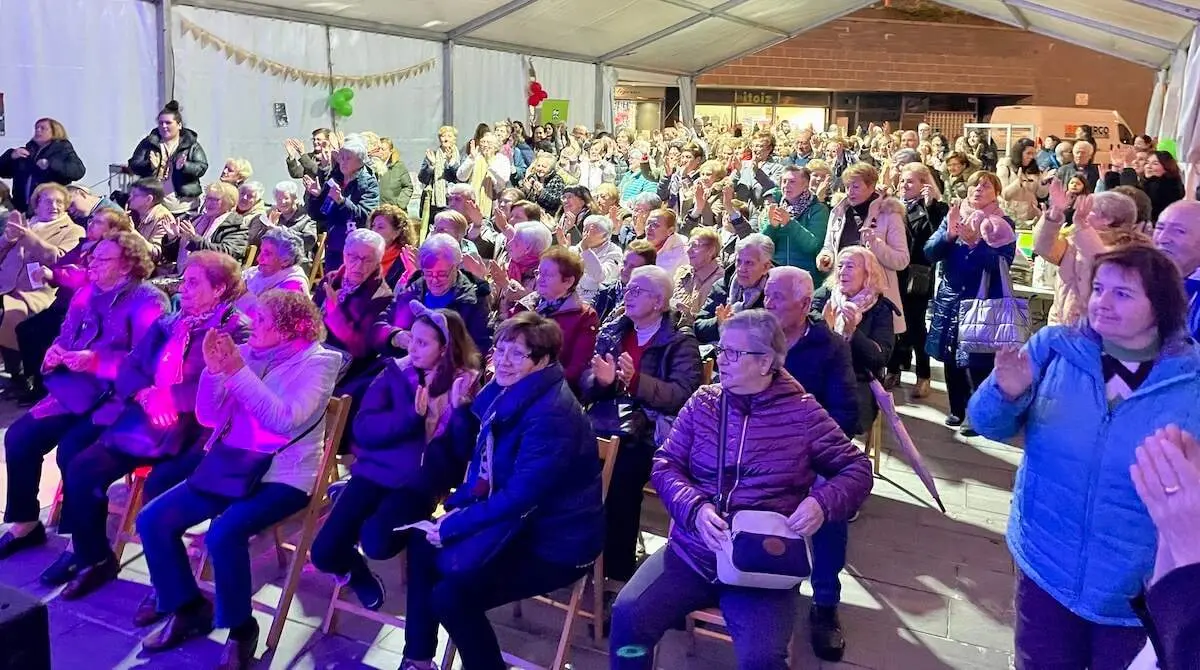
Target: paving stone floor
922,590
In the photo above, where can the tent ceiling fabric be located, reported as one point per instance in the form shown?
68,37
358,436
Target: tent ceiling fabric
693,36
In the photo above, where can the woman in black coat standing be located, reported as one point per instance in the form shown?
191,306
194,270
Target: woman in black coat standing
48,157
172,154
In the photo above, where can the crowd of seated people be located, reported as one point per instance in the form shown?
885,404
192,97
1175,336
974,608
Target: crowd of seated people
548,290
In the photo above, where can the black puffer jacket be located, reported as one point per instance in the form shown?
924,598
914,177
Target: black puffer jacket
185,180
62,167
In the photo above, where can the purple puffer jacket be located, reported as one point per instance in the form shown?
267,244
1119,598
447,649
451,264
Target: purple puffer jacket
778,441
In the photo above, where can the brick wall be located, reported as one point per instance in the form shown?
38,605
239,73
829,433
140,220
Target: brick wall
859,54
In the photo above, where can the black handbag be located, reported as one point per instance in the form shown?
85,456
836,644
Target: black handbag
920,281
235,473
78,392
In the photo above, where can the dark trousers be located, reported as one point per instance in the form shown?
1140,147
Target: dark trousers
37,333
1052,637
961,382
460,601
912,341
163,522
623,507
366,513
85,493
829,557
26,444
666,588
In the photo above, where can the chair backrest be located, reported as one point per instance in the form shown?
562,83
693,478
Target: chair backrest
318,265
337,415
608,459
251,256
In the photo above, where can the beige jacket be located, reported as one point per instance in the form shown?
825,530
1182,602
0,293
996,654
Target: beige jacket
889,244
46,243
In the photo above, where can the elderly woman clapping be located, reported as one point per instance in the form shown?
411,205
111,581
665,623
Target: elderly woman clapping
218,228
343,203
543,184
278,267
486,170
740,289
601,256
439,282
268,397
110,314
288,212
517,276
854,305
778,441
646,365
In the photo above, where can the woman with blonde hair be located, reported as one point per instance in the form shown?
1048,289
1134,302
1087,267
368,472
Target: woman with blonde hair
924,211
236,171
41,241
487,171
439,169
854,304
48,157
218,228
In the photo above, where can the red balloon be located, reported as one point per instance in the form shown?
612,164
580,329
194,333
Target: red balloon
533,100
541,95
535,88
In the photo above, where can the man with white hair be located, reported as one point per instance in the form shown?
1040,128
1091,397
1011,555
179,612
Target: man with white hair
924,132
352,297
601,256
822,365
740,289
344,202
440,282
1081,164
1177,235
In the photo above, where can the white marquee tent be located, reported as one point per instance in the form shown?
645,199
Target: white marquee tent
103,67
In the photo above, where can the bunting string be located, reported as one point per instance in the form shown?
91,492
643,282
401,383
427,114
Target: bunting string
249,59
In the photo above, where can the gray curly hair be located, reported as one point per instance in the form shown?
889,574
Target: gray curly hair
289,245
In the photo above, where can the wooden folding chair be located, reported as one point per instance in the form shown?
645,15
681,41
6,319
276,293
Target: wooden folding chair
251,256
608,456
706,372
317,271
128,512
336,418
874,442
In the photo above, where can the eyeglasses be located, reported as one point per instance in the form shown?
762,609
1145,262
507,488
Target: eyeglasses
510,354
734,355
633,291
103,259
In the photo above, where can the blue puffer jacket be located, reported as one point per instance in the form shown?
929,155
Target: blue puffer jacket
545,472
960,269
1078,528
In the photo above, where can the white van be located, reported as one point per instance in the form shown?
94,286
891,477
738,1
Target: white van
1108,128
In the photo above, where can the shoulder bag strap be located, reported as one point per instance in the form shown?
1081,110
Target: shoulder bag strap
721,502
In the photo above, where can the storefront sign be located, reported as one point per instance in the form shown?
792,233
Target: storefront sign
755,97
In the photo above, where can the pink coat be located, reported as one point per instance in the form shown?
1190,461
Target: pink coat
777,442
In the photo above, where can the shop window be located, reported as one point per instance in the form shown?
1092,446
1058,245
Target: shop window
749,117
720,116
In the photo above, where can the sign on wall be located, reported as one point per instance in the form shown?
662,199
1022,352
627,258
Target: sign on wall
554,111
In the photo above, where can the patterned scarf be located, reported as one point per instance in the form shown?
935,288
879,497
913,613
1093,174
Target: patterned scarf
834,312
169,370
742,297
796,208
548,308
483,195
482,486
346,291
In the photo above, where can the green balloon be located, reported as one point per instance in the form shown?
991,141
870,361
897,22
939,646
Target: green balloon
345,109
1169,144
346,94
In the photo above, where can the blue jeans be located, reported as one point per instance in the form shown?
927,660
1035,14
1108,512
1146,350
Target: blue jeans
161,526
460,601
666,588
85,493
366,513
26,444
829,557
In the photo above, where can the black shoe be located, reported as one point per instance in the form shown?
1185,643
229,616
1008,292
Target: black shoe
33,397
828,643
891,381
239,649
953,421
11,544
147,611
91,578
968,431
61,571
369,590
180,627
18,387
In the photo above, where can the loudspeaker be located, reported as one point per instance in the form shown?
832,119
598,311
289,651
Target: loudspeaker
24,632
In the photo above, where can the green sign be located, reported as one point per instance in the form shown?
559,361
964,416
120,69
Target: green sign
554,111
